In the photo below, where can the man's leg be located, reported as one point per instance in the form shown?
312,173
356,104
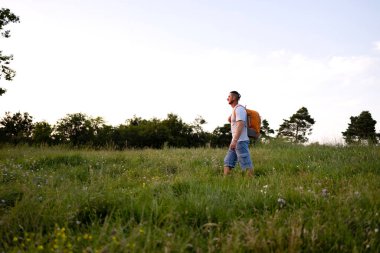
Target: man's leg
229,161
244,158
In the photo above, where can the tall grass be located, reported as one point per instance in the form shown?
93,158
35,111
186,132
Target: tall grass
302,198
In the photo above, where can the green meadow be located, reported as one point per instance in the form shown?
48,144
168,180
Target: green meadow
302,199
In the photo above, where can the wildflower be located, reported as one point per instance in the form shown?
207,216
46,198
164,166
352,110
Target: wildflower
88,249
376,230
40,247
281,202
325,193
78,222
87,237
265,186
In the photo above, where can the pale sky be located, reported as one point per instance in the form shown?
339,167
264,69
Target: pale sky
116,59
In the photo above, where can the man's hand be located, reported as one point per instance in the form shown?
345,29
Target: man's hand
233,144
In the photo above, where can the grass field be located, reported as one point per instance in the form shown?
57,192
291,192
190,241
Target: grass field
302,198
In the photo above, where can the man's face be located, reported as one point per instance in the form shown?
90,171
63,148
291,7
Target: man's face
231,98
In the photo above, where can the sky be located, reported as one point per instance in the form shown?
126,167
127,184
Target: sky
116,59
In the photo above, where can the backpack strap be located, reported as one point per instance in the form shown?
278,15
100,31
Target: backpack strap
234,111
246,120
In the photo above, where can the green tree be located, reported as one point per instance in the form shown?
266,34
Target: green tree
103,137
77,129
199,138
42,133
265,130
141,133
16,127
221,136
297,127
6,17
361,128
179,133
136,121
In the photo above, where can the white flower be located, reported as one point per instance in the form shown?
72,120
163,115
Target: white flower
325,193
281,202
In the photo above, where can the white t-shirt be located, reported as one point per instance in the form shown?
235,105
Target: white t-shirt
240,114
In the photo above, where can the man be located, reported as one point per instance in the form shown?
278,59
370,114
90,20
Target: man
238,150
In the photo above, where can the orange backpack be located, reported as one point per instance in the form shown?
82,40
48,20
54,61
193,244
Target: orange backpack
253,123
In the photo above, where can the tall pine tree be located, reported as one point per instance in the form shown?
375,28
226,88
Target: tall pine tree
298,127
361,128
265,130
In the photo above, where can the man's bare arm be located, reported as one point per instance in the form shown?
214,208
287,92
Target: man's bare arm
239,130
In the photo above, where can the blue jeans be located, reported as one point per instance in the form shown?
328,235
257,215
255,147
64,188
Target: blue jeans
240,154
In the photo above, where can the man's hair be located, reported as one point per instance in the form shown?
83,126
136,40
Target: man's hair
236,94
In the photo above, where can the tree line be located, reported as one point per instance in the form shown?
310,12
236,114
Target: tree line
80,130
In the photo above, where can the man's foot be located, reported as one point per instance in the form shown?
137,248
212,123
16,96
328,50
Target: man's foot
250,173
227,171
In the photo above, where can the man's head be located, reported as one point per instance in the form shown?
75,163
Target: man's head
233,97
236,94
